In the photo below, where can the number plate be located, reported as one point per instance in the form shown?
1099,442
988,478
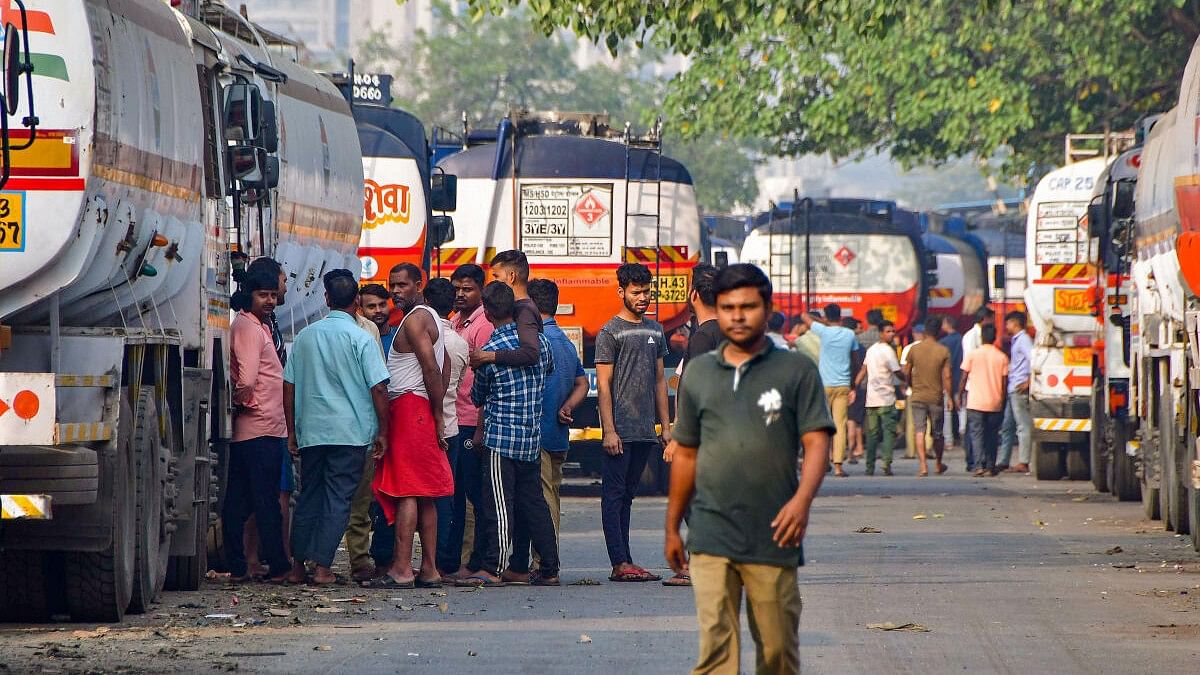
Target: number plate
671,288
12,221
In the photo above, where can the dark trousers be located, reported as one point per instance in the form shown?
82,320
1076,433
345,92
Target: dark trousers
253,488
984,430
955,430
449,551
619,483
514,514
329,475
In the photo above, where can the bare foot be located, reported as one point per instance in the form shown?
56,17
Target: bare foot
297,575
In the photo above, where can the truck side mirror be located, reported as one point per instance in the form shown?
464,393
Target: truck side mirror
1097,217
271,172
441,230
246,163
721,258
999,277
443,192
269,138
1123,199
12,68
243,112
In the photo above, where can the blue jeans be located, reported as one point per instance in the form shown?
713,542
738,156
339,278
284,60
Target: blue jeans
253,488
329,476
1008,435
619,483
1024,422
984,428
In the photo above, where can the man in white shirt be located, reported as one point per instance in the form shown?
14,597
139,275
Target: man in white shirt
439,293
880,369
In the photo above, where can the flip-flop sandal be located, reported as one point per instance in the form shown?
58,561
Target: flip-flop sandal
678,580
477,581
651,576
634,575
386,581
545,581
421,583
338,580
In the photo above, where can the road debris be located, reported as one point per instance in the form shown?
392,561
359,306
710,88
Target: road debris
279,612
585,639
905,627
85,634
240,654
1114,550
867,529
920,516
585,582
323,648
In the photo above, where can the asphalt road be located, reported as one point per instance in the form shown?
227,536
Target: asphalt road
1007,575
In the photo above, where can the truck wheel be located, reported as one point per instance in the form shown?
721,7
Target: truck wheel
1098,448
154,503
1122,473
1047,461
99,584
1172,497
1193,500
23,586
1150,503
1078,467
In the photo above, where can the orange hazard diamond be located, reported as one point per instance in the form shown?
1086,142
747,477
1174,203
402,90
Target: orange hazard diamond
590,209
845,256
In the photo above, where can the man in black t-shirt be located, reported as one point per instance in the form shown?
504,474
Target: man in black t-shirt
512,268
632,397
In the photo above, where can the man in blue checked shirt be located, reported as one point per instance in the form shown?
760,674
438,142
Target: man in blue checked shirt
510,442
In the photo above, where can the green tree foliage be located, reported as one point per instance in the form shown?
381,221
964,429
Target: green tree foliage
485,67
925,81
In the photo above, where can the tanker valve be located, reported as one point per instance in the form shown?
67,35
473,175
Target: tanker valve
172,252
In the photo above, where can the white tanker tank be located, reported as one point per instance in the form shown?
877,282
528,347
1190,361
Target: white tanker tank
165,142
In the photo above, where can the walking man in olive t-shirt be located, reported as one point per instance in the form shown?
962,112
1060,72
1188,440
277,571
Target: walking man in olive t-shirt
927,368
632,396
743,415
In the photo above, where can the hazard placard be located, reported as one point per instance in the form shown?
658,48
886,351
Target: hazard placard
572,220
27,406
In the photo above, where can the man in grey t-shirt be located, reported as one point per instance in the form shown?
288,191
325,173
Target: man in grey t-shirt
632,397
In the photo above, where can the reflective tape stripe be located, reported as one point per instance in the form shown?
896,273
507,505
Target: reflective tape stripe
82,432
1058,424
34,507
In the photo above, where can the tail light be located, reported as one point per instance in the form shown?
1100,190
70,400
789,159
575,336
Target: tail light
1118,399
1081,340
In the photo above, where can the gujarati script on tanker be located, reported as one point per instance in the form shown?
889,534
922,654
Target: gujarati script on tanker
566,220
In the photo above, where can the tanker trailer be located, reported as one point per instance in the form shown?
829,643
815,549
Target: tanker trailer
114,399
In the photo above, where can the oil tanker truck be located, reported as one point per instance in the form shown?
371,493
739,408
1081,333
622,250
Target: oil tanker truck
167,140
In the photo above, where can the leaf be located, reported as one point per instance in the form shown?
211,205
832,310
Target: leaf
920,516
905,627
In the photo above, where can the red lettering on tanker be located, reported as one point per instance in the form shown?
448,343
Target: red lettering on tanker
590,209
387,203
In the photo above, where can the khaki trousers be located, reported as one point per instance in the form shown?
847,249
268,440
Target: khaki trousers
839,406
358,532
772,606
552,464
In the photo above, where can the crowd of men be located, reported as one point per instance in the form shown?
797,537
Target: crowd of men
437,411
434,411
974,386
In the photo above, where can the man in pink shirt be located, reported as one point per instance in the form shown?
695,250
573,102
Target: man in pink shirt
259,432
470,323
985,383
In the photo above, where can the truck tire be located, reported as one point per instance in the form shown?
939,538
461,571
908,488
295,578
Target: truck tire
154,504
23,586
1078,467
1122,472
1193,500
99,584
1150,503
1047,461
1098,449
1172,494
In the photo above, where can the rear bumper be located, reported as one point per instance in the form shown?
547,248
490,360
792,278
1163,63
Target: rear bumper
1061,420
25,507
